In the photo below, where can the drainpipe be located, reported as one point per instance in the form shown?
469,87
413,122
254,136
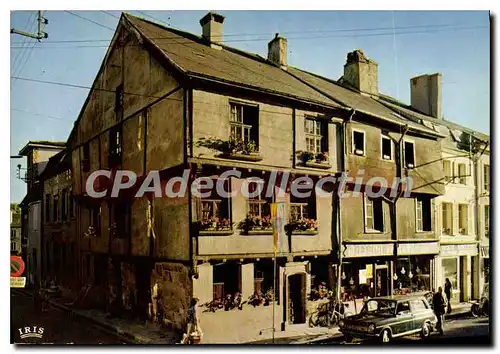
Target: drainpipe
338,204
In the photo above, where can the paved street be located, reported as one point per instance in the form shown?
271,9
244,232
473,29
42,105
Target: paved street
461,331
60,327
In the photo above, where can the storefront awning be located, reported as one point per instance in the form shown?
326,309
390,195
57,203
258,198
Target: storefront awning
416,248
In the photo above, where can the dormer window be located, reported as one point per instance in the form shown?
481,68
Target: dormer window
358,142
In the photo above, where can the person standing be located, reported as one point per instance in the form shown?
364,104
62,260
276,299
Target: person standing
439,304
447,291
193,321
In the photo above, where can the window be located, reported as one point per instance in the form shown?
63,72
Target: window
55,215
115,145
316,138
418,305
486,177
487,220
374,215
358,142
71,203
119,98
64,199
244,123
258,206
447,171
47,208
447,218
387,148
302,208
409,158
215,211
121,217
403,308
463,219
13,246
86,158
424,222
462,173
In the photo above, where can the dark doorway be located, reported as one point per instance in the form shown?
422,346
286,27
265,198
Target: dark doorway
297,298
381,282
143,284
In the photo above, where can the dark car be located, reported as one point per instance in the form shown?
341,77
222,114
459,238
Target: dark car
384,318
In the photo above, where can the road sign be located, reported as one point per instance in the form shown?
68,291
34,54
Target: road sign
17,282
16,266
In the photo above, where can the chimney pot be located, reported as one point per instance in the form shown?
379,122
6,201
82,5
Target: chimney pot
277,51
211,25
426,94
361,72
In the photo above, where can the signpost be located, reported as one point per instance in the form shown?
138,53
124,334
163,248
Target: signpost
17,267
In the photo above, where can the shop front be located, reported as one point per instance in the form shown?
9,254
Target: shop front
458,264
414,268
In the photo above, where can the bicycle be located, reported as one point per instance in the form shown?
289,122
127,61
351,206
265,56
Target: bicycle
329,315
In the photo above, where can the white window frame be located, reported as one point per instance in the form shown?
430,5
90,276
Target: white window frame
301,206
353,150
372,230
419,226
259,200
314,136
411,141
448,178
487,220
391,157
238,124
450,204
486,187
466,218
462,179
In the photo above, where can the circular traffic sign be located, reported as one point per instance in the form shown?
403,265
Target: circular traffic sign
16,266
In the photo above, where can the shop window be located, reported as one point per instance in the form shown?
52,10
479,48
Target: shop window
424,220
387,148
409,154
487,220
447,218
486,177
450,269
448,175
463,210
374,215
244,123
358,142
462,173
412,274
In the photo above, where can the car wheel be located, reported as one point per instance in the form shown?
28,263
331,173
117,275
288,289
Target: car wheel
348,338
426,331
385,336
475,310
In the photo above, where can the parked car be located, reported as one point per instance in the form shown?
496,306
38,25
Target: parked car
385,318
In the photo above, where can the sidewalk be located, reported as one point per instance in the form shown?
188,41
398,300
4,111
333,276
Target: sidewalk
130,331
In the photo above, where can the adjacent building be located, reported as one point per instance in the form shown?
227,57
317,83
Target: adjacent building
15,229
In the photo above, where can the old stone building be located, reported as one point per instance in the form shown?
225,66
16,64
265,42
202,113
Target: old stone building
168,101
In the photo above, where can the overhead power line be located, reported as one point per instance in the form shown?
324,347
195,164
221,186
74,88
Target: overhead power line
89,20
110,14
41,115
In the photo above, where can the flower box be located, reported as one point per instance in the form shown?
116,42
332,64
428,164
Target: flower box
254,156
318,164
305,232
216,232
258,232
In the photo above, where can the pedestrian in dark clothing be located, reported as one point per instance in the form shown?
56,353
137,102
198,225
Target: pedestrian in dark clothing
439,304
447,291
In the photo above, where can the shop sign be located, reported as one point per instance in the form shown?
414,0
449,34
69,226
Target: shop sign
369,271
418,248
368,250
459,250
485,251
362,276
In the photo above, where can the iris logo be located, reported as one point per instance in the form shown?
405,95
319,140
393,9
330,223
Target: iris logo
31,332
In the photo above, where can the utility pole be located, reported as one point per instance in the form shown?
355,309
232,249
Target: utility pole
40,34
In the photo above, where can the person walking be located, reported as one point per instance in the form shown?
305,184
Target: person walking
193,319
439,304
447,291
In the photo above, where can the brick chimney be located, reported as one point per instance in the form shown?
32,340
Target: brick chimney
426,94
211,25
361,73
277,51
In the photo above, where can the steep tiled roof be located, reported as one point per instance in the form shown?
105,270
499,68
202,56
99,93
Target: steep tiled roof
191,55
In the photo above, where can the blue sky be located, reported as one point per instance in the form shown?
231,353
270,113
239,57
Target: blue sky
457,44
